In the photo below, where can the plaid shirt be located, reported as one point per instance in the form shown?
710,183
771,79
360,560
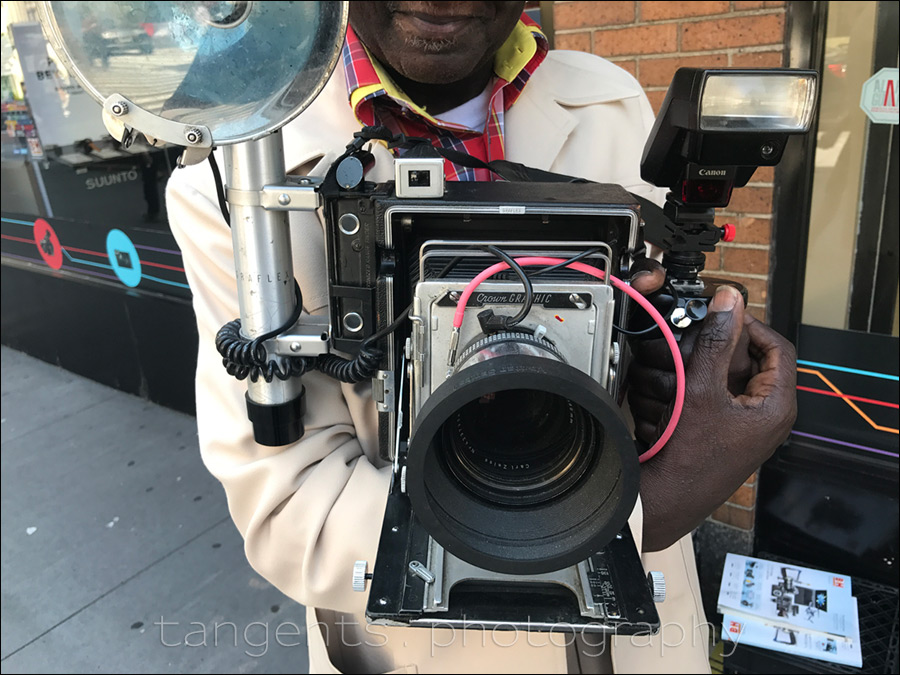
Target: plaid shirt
377,100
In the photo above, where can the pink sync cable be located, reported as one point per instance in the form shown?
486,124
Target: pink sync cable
630,292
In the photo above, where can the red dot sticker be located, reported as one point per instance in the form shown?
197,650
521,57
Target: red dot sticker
48,243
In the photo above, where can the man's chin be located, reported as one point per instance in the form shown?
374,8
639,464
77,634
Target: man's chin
437,68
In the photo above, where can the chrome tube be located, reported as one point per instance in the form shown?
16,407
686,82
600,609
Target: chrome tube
262,252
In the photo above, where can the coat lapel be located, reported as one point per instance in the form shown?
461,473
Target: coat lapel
540,122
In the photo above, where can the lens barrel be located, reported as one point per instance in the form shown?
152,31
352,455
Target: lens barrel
520,463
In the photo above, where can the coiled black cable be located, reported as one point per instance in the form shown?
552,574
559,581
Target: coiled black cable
361,367
243,357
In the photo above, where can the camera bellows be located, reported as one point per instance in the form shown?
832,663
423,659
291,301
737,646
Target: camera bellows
520,463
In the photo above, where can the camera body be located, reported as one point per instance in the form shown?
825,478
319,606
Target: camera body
514,472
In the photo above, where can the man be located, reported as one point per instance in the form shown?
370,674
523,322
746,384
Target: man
476,77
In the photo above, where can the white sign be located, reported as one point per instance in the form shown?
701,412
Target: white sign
880,97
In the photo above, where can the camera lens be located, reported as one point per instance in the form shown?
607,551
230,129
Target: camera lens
519,447
520,463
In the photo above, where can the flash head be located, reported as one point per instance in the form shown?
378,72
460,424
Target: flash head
198,74
728,121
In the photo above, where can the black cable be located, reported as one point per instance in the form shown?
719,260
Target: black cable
649,329
645,331
564,263
220,188
404,315
387,330
526,282
244,358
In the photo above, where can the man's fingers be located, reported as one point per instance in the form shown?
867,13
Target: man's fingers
777,362
657,353
649,409
646,431
651,383
714,348
647,276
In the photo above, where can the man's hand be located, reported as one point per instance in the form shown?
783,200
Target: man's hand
740,405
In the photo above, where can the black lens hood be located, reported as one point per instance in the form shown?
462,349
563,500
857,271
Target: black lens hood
538,538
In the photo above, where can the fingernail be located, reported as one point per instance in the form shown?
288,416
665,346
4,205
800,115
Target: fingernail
640,273
725,299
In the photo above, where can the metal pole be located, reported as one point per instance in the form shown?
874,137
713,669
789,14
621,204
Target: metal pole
262,255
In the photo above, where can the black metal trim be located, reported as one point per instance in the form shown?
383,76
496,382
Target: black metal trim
873,293
884,300
805,48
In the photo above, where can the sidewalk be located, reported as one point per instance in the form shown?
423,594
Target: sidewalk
110,526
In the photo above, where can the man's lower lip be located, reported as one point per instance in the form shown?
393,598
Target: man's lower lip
427,29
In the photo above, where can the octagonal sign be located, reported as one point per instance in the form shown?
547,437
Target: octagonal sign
880,96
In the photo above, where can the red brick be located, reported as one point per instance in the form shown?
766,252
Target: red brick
578,42
659,72
758,313
656,99
591,14
757,289
752,230
656,11
734,516
747,4
745,260
745,496
628,64
742,31
764,174
751,479
637,40
713,261
751,200
758,60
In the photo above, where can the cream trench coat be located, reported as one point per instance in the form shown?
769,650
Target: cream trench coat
307,511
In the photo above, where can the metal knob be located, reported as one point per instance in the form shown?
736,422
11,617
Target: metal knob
193,136
360,575
657,581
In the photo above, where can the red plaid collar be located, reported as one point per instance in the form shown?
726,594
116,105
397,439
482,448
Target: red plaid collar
376,100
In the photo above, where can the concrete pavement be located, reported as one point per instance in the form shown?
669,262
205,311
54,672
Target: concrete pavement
118,554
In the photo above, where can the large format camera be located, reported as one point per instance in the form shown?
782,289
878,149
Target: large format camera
490,317
514,471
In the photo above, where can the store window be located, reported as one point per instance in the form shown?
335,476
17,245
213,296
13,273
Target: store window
851,271
847,338
100,204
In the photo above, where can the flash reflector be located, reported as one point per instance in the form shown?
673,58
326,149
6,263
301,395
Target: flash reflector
199,73
767,101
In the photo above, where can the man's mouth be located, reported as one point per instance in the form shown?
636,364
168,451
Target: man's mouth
433,26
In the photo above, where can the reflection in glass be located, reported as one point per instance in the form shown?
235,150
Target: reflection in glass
840,150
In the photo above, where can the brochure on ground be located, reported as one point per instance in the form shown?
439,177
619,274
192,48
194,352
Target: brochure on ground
791,609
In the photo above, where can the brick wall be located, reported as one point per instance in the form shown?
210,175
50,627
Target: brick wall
651,40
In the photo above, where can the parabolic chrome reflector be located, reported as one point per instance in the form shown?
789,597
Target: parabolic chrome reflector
242,69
